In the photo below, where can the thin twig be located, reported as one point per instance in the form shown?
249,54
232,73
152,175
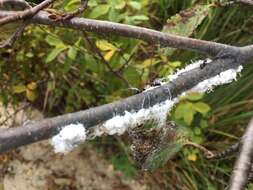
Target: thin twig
21,15
13,38
97,51
81,9
207,153
227,152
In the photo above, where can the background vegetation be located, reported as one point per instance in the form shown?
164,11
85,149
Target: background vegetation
59,71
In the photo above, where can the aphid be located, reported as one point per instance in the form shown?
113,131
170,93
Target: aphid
202,65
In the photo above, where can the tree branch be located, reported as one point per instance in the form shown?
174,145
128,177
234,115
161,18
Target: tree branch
20,15
242,167
246,2
44,129
227,152
149,35
84,4
20,4
12,39
231,57
232,2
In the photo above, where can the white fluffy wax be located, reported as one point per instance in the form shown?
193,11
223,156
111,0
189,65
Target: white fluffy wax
72,135
224,77
189,67
158,113
120,123
68,138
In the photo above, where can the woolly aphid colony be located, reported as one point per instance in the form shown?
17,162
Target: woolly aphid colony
72,135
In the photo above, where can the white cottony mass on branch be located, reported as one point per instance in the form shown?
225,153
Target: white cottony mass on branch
207,85
223,78
120,123
189,67
72,135
69,137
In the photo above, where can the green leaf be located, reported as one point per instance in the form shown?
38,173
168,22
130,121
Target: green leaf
108,47
185,23
148,63
118,4
108,55
91,64
136,19
194,96
31,95
175,64
181,109
54,53
17,89
201,107
197,139
188,117
136,5
53,41
132,76
203,123
105,45
72,5
32,86
99,11
113,15
139,18
72,52
185,111
179,112
197,131
92,3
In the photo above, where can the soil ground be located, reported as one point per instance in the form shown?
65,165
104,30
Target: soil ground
37,167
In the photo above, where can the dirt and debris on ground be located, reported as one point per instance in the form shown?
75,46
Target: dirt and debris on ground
37,167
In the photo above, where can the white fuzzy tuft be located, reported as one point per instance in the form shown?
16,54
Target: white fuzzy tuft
120,123
189,67
223,78
207,85
68,138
